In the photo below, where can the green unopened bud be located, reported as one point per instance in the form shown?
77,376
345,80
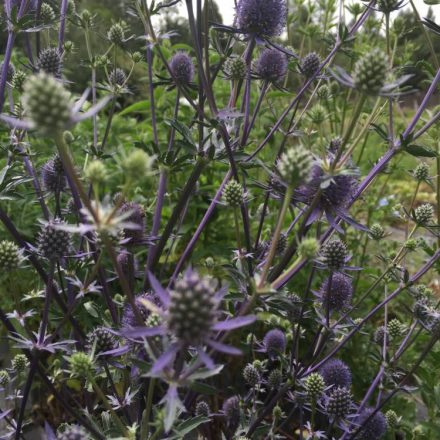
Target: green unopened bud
392,419
47,14
308,248
137,165
295,164
137,57
377,232
19,363
233,194
235,68
116,34
421,173
81,365
314,385
424,214
4,378
18,80
370,72
96,172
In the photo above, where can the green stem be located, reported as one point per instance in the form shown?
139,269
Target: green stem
276,235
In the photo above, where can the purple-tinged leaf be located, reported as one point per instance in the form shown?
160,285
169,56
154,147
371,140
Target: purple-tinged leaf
205,358
162,293
164,359
142,332
223,348
234,323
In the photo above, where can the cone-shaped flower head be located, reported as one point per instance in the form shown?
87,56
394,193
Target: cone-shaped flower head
50,61
310,64
233,194
334,254
295,164
314,385
53,176
373,429
274,342
424,214
182,68
370,72
53,241
193,308
117,77
337,294
339,402
271,65
336,373
10,255
235,68
101,340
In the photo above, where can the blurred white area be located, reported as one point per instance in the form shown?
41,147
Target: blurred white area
227,9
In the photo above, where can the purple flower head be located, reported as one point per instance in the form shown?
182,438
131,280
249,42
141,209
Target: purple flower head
334,197
182,67
339,295
136,216
374,428
231,411
271,65
128,264
128,315
336,373
190,313
274,342
53,175
265,18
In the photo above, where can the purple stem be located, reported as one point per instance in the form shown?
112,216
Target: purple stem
374,171
5,66
200,228
372,312
63,13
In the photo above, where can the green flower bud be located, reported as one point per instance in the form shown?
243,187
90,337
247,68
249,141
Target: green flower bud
295,164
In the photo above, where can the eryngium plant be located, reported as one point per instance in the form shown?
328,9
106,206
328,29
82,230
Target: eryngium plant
218,230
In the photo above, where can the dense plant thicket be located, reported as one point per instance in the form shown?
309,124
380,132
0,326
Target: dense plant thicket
230,237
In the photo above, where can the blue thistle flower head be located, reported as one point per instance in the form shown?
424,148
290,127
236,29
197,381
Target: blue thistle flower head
336,193
182,67
265,18
190,313
336,373
338,294
374,428
271,65
274,342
